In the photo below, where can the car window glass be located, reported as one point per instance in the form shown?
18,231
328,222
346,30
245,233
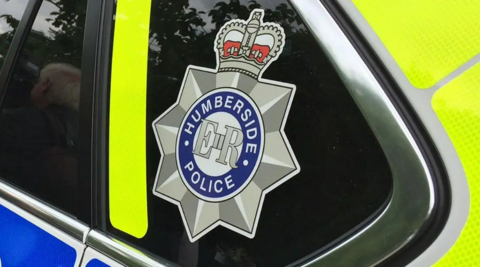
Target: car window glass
39,119
10,15
344,179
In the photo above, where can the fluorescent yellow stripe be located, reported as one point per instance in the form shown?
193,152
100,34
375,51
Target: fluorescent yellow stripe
428,39
458,107
127,155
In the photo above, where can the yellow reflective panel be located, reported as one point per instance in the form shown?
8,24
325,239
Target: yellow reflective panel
427,38
458,107
127,145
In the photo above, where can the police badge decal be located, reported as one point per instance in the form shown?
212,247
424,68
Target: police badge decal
222,143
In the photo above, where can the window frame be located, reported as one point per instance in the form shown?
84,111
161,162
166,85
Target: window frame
94,93
416,190
393,86
97,190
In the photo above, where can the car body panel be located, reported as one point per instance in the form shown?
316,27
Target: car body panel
29,241
445,54
93,258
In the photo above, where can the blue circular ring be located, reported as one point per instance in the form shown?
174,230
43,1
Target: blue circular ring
218,188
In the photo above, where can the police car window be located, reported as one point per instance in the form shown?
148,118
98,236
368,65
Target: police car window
10,15
38,123
256,153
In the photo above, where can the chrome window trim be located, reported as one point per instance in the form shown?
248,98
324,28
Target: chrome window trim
44,212
413,196
121,253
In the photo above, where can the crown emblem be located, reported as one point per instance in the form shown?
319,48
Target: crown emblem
249,47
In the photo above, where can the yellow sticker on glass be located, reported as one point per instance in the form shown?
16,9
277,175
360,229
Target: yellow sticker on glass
127,136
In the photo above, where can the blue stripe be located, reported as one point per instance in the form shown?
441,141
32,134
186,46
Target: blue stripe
97,263
23,244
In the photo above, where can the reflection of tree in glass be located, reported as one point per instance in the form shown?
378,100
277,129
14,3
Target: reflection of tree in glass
180,36
56,38
64,40
6,37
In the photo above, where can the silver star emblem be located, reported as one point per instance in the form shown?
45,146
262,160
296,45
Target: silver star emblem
223,146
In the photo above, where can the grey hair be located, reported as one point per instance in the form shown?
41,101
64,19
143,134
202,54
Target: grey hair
65,88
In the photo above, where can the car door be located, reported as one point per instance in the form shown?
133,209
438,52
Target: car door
38,218
93,258
334,183
356,177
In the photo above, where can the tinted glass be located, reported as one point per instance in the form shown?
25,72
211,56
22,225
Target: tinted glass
10,15
344,179
38,123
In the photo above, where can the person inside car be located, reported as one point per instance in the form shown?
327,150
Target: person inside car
37,141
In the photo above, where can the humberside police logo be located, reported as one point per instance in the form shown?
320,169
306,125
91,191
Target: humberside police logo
222,143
